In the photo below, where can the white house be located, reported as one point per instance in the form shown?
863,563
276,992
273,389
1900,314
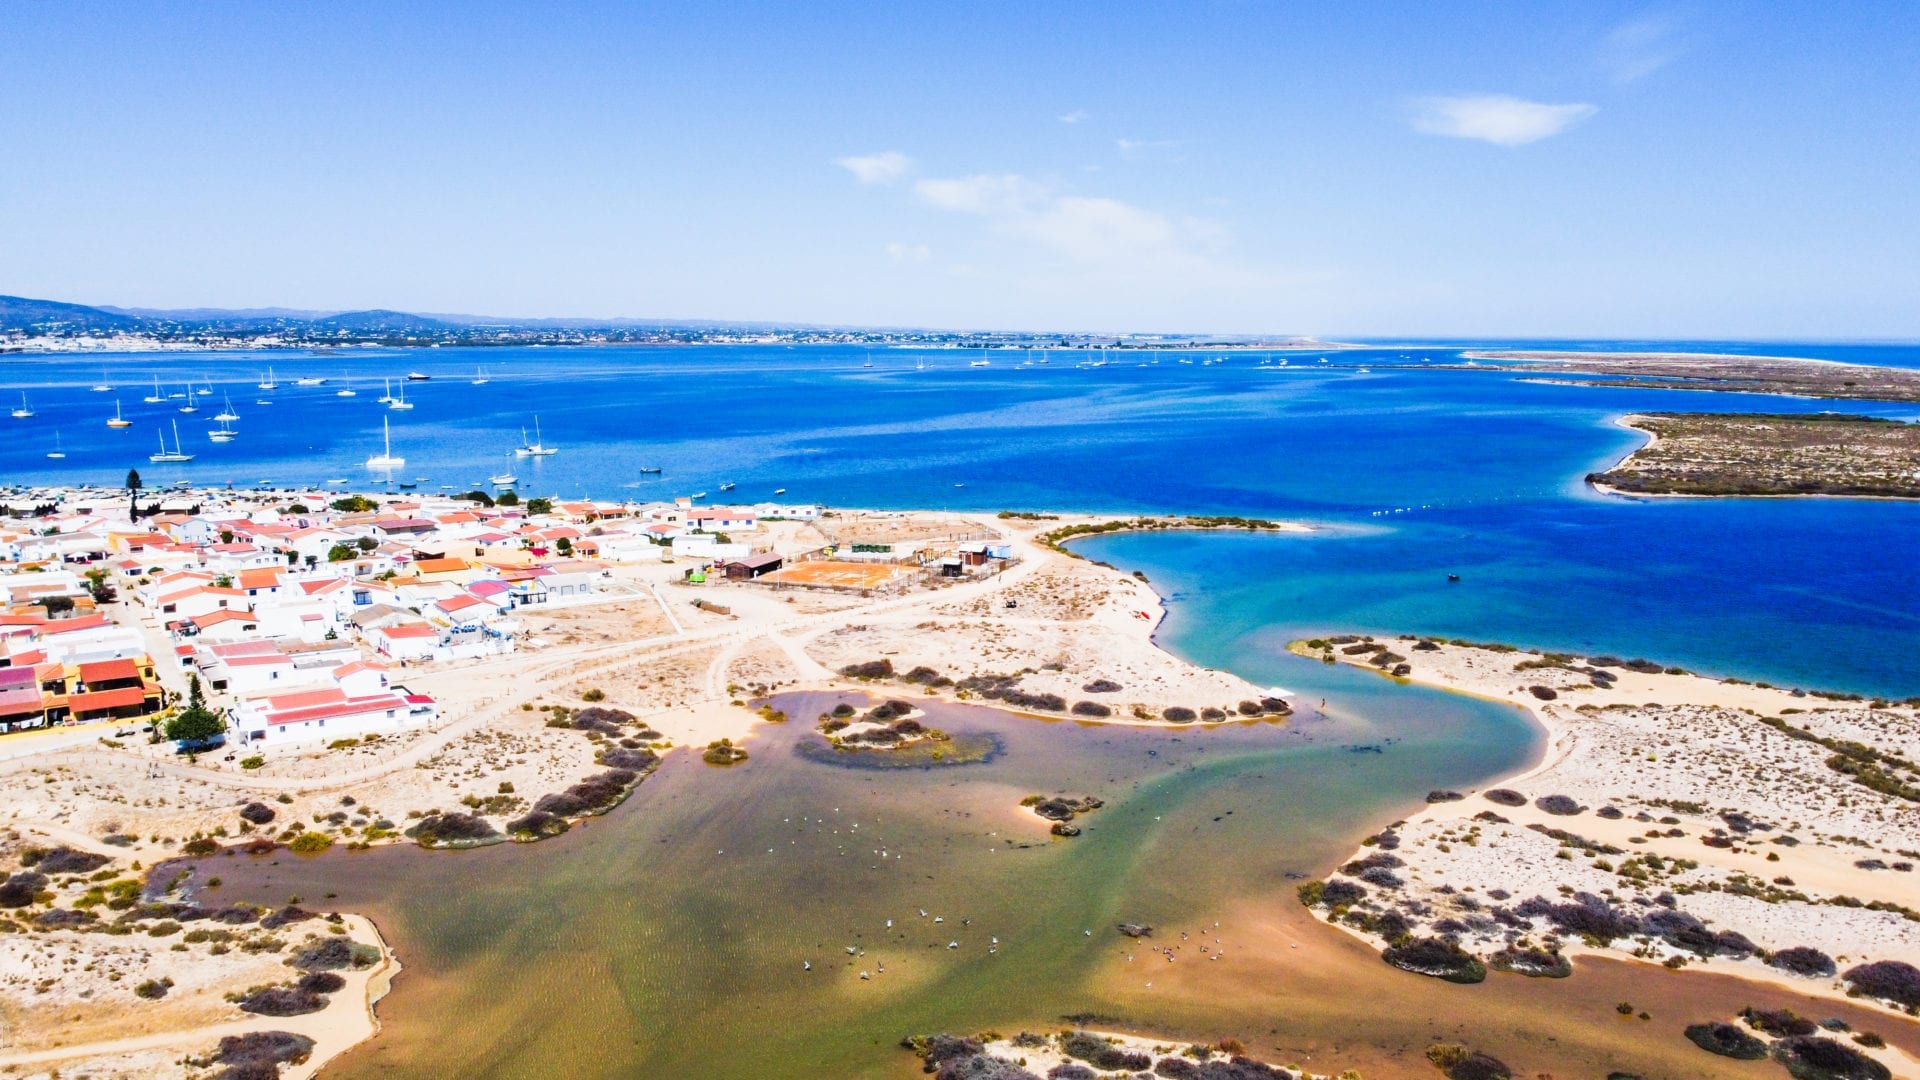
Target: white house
330,713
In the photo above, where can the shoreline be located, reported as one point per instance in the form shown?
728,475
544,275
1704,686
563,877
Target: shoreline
1567,747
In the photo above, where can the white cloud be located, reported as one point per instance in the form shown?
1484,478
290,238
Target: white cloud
1073,117
881,168
1496,118
1633,50
1134,149
908,253
1081,228
1003,195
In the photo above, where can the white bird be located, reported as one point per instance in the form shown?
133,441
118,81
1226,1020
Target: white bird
953,944
849,950
806,965
864,975
995,941
939,918
923,913
889,924
1089,933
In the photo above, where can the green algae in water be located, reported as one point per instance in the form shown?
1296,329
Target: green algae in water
972,748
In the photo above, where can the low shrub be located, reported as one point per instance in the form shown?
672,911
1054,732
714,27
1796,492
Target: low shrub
1101,686
1436,958
1178,714
872,669
1544,693
1505,797
1778,1022
258,813
334,954
537,825
1893,980
1102,1054
1803,960
66,860
320,982
153,989
310,843
1815,1057
1726,1040
259,1054
452,830
281,1001
1091,708
1558,805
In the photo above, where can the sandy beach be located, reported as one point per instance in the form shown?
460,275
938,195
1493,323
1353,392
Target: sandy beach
1658,790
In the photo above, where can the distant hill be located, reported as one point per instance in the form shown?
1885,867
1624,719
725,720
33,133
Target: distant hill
382,322
54,317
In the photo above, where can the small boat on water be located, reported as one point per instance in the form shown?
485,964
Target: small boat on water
345,392
56,453
25,411
699,494
227,414
205,391
103,386
653,470
156,397
387,395
728,486
779,491
536,448
418,376
386,458
189,407
176,454
503,480
480,377
222,434
117,420
400,401
311,380
268,383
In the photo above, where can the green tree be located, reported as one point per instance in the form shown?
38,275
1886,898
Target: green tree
354,504
366,543
196,722
508,498
133,494
478,496
339,553
565,546
58,605
102,589
540,506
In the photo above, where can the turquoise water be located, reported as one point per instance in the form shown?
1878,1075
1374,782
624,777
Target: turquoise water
1418,472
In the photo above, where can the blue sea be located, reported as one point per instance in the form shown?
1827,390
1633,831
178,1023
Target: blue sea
1413,473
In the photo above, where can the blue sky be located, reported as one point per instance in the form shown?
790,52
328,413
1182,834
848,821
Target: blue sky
1703,170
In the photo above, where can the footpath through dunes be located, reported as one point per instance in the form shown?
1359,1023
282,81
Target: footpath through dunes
1676,819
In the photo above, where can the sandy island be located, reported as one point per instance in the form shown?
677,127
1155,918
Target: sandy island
1674,819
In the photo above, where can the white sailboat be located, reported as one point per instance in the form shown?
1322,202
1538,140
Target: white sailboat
103,386
386,459
176,454
480,377
222,434
536,448
503,480
25,411
386,396
205,391
189,407
227,414
399,401
156,397
269,383
117,420
344,392
56,453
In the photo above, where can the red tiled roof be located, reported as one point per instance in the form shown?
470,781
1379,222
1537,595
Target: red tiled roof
105,670
111,699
